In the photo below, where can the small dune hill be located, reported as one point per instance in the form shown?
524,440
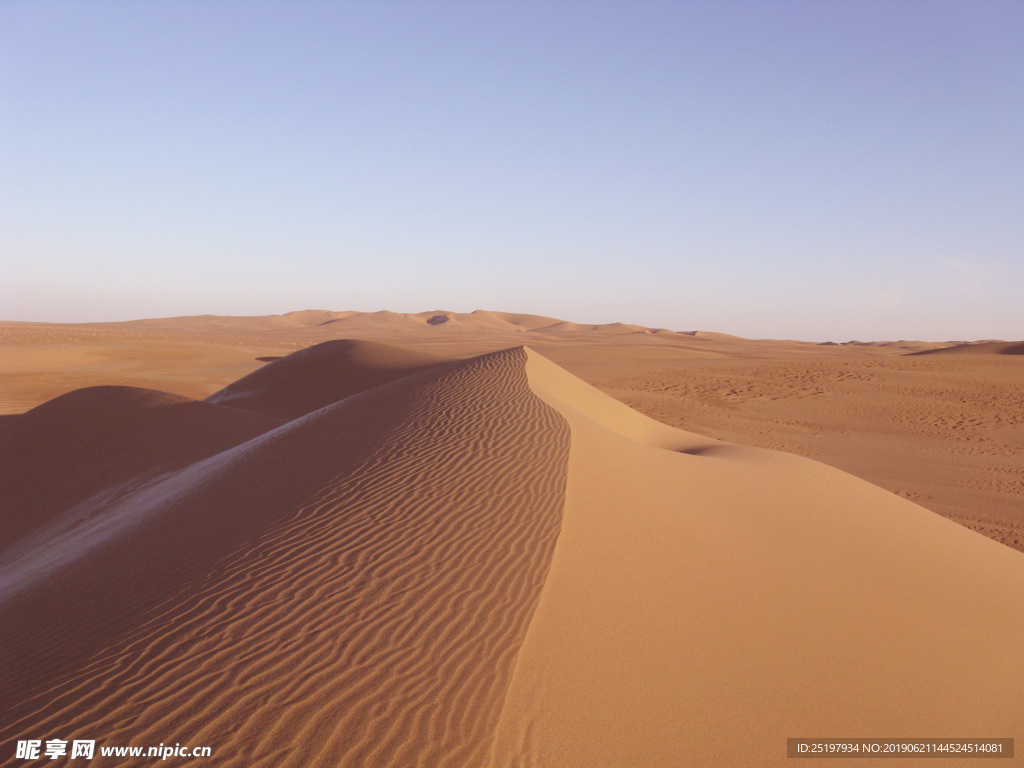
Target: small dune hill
320,375
711,335
383,324
487,562
903,346
475,321
478,320
483,321
979,348
562,326
96,439
520,321
314,317
384,320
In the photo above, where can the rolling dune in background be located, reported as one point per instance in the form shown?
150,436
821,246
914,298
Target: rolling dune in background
364,555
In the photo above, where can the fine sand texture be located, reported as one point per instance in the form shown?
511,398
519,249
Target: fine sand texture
348,589
706,598
436,546
943,430
941,424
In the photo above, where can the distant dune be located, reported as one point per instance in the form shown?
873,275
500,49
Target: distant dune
979,348
364,555
479,320
565,327
381,322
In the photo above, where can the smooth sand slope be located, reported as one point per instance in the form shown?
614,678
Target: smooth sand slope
945,431
377,558
348,589
309,379
705,600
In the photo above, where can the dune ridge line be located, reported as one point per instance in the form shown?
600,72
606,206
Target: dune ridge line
370,615
387,558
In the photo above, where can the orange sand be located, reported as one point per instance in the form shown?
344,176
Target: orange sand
454,552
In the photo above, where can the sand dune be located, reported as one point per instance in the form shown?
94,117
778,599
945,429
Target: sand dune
94,440
315,317
476,321
348,589
524,321
312,378
705,599
979,348
612,328
942,430
393,559
376,323
945,431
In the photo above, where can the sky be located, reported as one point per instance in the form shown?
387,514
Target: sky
812,170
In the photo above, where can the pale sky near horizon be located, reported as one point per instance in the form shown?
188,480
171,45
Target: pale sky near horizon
814,170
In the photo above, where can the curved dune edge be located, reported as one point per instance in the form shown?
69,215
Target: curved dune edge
349,589
700,609
979,348
311,378
488,562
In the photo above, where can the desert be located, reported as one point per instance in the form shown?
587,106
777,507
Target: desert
339,538
511,384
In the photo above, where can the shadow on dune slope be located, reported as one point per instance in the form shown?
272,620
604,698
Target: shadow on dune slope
94,439
348,589
312,378
487,562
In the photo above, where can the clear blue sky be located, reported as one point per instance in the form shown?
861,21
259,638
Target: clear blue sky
815,170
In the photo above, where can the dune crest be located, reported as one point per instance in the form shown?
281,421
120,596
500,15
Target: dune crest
326,373
347,589
488,562
703,607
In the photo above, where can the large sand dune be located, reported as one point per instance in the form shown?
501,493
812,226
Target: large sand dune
376,557
93,440
312,378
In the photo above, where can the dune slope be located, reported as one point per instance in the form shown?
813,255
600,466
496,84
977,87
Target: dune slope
488,562
348,589
312,378
979,348
705,602
96,439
